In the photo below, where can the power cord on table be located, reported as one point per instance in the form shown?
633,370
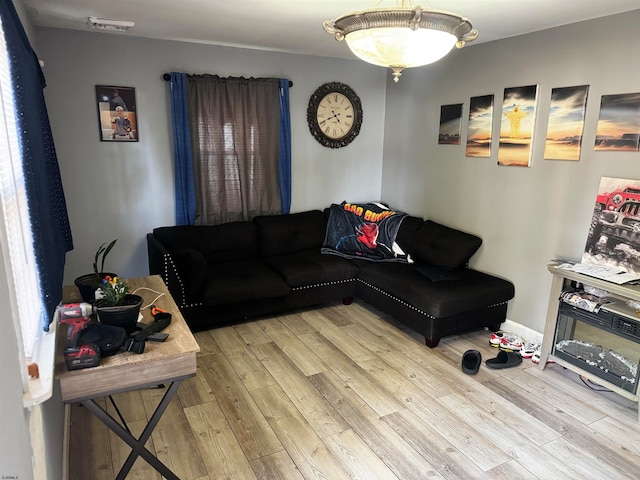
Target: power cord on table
160,294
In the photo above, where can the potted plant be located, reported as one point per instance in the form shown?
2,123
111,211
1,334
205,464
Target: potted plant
115,305
89,283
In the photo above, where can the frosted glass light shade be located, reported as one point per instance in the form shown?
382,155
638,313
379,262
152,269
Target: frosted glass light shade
400,46
400,38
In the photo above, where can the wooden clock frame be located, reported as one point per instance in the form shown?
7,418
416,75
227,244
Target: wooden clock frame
312,112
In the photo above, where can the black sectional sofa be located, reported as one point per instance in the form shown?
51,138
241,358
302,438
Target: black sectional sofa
227,273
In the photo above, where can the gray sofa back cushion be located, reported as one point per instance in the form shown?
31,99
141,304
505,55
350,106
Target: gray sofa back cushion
217,243
295,232
443,246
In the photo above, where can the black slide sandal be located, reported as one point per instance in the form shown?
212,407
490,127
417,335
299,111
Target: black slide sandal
504,360
471,361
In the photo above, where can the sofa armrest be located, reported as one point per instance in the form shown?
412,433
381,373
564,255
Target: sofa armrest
162,263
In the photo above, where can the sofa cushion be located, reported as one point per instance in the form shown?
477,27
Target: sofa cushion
472,290
242,281
311,267
218,243
443,246
282,234
407,232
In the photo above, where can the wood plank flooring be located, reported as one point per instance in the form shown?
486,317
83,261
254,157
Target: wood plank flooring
345,392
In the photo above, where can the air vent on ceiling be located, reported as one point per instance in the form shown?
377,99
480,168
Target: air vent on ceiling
108,24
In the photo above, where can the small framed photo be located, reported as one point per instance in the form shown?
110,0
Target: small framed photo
117,113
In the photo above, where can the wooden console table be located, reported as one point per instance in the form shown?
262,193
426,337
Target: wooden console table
561,279
168,362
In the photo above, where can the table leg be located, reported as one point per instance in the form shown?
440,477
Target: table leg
557,285
137,445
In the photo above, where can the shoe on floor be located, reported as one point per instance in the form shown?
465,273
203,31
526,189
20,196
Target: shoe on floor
504,360
511,343
505,341
535,357
471,361
529,349
496,338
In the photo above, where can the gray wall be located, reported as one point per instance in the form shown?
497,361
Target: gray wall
124,190
526,216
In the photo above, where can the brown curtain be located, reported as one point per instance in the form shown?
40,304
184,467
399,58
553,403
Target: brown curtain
235,141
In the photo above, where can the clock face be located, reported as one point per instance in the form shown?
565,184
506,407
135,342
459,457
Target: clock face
334,115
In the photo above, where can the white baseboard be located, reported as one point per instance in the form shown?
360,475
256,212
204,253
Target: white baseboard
522,331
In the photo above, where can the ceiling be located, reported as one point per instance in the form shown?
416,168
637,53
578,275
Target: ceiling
296,26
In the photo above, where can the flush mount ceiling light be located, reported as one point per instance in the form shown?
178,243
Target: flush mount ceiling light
108,24
401,37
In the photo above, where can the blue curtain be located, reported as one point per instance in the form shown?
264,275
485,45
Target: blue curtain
183,166
45,196
285,147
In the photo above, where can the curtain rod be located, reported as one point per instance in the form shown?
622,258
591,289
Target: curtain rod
167,76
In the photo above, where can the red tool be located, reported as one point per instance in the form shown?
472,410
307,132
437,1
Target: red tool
79,356
74,325
84,356
69,310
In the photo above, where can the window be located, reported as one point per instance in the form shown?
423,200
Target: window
235,146
15,227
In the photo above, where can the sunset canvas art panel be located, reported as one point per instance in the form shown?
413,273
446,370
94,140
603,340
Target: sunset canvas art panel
480,126
450,121
516,127
619,123
566,123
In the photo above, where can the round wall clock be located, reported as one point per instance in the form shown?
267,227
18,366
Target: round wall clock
334,115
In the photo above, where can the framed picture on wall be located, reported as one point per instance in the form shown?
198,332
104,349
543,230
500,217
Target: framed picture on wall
117,113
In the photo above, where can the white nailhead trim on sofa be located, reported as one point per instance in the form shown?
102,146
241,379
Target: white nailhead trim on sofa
168,262
324,284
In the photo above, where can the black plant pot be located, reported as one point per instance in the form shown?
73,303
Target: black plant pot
125,316
89,283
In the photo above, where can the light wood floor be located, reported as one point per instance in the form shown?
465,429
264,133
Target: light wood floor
340,392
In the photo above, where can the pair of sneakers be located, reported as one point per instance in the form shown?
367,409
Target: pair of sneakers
507,342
